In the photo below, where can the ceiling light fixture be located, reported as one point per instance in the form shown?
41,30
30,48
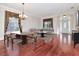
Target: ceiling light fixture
22,15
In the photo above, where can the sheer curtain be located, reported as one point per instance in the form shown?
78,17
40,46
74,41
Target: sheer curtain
12,22
13,25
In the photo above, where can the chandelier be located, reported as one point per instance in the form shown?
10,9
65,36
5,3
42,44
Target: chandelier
22,16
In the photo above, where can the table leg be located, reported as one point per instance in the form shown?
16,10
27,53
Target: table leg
42,34
24,39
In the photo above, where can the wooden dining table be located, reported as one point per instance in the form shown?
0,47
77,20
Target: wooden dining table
25,37
22,36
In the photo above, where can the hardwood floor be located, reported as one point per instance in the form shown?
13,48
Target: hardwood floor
40,48
3,51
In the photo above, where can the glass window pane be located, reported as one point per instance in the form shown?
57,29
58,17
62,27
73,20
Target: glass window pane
13,24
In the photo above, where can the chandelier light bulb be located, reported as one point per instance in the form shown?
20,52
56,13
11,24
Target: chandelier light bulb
23,16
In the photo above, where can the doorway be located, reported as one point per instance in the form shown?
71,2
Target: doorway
65,30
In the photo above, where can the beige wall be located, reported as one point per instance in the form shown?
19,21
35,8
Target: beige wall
1,24
30,23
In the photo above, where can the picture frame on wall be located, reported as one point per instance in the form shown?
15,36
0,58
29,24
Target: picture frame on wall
48,23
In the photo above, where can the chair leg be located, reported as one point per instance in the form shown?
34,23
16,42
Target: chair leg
4,39
35,39
8,41
12,43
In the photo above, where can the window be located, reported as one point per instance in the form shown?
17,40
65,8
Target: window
13,24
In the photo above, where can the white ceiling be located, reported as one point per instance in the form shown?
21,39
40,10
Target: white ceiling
43,9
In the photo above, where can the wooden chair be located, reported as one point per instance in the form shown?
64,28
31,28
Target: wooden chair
15,39
6,38
75,37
